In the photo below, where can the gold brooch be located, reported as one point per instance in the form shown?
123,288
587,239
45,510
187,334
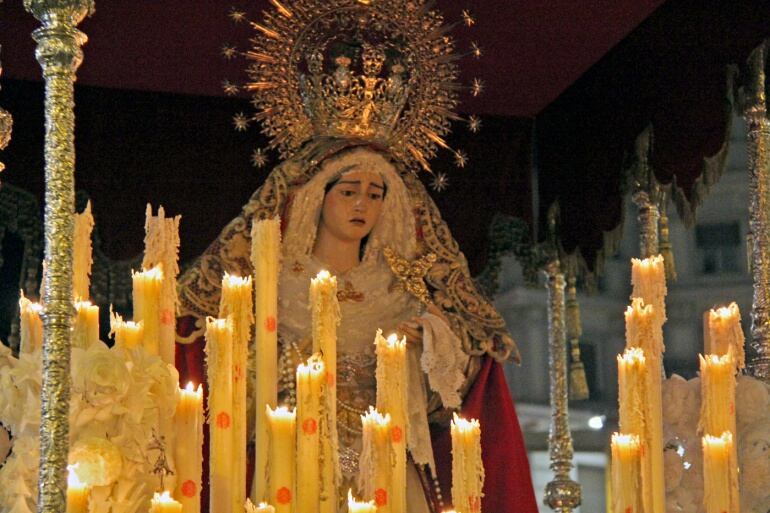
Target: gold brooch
411,275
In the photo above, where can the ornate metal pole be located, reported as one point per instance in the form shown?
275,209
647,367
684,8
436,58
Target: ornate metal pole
59,55
562,494
755,113
645,196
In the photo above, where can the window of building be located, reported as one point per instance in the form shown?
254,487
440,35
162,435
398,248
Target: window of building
718,247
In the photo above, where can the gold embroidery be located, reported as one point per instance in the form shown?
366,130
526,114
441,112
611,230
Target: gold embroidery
349,293
411,275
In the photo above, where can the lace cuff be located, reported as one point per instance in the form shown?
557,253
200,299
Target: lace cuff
443,360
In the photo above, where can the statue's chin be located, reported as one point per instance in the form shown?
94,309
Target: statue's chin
5,445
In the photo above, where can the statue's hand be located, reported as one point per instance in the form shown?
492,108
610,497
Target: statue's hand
413,328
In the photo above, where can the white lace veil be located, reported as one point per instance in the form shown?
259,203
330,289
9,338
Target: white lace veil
395,227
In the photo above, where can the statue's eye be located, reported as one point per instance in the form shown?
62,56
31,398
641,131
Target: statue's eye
375,196
347,193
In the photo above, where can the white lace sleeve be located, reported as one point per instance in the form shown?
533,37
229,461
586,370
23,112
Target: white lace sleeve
443,360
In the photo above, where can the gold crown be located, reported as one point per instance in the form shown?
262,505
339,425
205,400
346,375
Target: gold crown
347,104
380,70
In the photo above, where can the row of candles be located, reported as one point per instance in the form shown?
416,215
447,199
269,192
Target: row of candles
281,484
638,483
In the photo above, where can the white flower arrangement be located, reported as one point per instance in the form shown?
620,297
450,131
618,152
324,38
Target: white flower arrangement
684,461
120,401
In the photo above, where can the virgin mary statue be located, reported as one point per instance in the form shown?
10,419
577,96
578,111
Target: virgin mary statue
356,102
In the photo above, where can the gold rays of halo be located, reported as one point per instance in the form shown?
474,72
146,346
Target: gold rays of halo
286,34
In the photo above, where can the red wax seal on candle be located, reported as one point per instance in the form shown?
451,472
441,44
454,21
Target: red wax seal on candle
270,323
166,317
283,495
629,510
475,503
310,426
189,489
223,420
381,497
396,434
330,379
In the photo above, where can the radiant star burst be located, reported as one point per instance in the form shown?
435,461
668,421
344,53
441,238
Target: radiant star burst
241,122
461,158
474,124
236,15
229,88
468,18
229,51
439,182
258,158
478,87
476,50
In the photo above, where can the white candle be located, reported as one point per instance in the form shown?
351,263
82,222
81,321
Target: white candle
77,493
236,302
189,447
85,329
626,474
161,247
127,334
283,435
375,472
325,318
219,333
725,333
265,259
467,466
311,381
392,379
31,325
355,506
163,503
720,487
147,288
82,254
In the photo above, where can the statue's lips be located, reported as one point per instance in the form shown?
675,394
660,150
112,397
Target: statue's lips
358,222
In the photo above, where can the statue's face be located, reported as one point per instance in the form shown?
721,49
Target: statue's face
352,206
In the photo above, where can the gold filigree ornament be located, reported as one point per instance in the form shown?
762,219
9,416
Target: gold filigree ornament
411,274
378,70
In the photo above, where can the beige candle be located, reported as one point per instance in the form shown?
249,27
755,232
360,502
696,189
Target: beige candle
326,316
467,466
720,490
163,503
311,381
161,247
648,278
127,334
85,330
236,301
219,334
147,288
82,254
644,329
355,506
375,466
265,259
189,448
77,493
283,435
262,508
718,384
725,332
626,474
392,399
30,325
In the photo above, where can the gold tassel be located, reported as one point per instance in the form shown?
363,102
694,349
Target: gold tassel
578,384
666,249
